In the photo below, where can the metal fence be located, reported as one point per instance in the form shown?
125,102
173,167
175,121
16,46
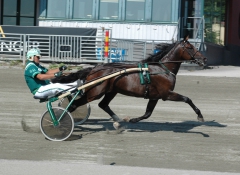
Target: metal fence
55,48
11,46
75,49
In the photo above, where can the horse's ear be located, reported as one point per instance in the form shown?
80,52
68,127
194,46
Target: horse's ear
185,38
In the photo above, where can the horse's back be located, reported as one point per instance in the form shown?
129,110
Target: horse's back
130,83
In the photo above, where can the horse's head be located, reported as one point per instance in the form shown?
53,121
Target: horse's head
190,53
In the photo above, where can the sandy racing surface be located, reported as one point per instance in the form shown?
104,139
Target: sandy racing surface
171,141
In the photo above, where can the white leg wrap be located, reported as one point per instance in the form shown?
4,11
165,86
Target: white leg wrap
116,118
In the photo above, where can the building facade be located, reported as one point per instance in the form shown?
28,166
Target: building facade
214,22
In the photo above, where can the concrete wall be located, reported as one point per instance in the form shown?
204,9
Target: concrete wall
214,54
222,55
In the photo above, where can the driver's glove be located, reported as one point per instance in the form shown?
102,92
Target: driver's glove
62,68
58,74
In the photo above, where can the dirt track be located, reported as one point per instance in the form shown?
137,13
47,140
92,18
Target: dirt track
171,138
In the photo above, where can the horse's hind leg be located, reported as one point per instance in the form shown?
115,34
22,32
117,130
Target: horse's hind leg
104,104
150,107
173,96
79,102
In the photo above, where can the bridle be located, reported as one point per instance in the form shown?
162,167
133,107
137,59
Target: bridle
193,59
185,48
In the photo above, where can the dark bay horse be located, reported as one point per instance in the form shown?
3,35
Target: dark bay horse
163,68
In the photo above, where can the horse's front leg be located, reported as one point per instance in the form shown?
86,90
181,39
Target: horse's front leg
150,107
173,96
104,104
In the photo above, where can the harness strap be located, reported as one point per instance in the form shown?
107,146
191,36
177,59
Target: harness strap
166,69
146,93
144,75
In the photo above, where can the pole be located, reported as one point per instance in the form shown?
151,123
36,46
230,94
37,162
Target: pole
104,78
24,49
106,46
1,30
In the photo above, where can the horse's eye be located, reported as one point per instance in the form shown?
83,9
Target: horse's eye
190,46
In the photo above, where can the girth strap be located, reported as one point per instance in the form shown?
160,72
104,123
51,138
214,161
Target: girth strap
144,79
144,75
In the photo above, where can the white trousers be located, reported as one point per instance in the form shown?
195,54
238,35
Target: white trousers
52,89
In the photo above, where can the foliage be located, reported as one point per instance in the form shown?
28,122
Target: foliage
214,13
15,62
54,66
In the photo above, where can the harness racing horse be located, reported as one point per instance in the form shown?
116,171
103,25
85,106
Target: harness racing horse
163,68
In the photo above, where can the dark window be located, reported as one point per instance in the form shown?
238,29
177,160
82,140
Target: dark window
19,12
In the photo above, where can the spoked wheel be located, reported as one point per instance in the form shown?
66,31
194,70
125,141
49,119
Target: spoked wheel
80,115
60,132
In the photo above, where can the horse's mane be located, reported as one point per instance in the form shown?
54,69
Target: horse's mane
163,48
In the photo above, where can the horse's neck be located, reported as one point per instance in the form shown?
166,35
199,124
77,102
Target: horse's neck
172,60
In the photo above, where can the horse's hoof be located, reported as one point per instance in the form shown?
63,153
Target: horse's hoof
200,118
116,125
126,119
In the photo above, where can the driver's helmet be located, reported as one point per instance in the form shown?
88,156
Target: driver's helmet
33,52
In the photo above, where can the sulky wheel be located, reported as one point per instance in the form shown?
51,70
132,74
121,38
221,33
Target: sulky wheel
60,132
80,115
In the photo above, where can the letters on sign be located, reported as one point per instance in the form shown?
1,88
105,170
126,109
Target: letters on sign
16,46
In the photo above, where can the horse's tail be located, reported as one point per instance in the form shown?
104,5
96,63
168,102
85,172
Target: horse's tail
81,74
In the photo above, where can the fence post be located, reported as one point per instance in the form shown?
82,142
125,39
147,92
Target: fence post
24,49
106,46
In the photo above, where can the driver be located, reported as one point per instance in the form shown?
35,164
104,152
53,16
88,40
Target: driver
38,77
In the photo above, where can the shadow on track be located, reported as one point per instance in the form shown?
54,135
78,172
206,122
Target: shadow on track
178,127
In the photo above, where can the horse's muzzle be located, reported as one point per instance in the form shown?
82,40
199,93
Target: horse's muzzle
204,61
201,62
